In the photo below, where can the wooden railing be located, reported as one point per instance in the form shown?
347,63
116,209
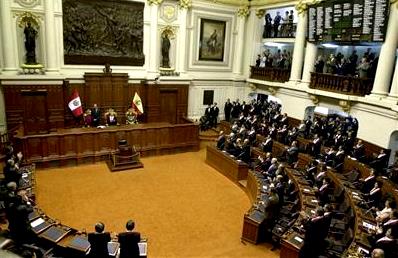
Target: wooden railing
269,74
341,84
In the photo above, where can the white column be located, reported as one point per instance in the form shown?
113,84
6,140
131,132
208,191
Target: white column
311,51
9,50
238,53
154,40
182,39
394,85
51,44
3,123
387,56
299,44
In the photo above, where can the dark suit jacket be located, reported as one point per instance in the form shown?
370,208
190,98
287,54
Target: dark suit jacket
129,244
99,244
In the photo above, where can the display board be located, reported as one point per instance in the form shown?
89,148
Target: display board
348,20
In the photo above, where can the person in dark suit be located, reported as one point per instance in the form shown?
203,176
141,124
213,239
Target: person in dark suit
99,241
227,110
129,241
267,144
313,235
221,141
292,153
214,114
96,115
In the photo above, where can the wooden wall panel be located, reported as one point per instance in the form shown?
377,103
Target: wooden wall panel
14,103
102,89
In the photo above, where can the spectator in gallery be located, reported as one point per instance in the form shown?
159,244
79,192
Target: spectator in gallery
277,21
96,115
258,61
111,117
363,68
285,24
263,60
99,241
87,118
290,24
352,60
330,68
227,110
129,241
319,64
267,26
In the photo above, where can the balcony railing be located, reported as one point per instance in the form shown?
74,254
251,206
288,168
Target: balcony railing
269,74
341,84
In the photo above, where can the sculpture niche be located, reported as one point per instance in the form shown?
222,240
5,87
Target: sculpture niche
125,157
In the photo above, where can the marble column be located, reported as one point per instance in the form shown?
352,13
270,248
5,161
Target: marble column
311,51
393,95
51,45
3,122
387,56
9,48
182,40
238,53
154,39
299,44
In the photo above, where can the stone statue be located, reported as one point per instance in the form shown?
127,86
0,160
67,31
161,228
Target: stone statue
30,43
165,51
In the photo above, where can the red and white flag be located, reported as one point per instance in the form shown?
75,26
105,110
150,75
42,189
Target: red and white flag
137,104
75,105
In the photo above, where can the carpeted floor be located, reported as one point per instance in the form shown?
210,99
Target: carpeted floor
184,207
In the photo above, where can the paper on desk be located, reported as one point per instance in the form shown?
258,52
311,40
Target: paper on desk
37,222
143,248
314,201
298,239
306,190
368,225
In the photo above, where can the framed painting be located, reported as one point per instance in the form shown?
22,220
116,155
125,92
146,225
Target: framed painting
212,40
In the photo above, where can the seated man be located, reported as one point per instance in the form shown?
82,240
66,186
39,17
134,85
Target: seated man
131,117
221,141
111,117
129,241
99,241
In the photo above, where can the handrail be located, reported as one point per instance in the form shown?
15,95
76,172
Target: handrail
341,84
269,74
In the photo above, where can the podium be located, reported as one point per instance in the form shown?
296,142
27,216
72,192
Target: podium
125,157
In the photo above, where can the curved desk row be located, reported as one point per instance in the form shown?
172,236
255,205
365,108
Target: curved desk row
51,233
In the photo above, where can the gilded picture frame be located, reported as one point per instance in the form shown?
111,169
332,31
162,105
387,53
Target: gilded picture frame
212,40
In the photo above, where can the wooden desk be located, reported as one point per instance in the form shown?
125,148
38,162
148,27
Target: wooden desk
82,145
226,165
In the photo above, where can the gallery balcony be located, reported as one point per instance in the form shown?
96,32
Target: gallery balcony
347,85
269,74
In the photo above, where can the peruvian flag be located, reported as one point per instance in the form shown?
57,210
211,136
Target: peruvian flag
75,104
137,104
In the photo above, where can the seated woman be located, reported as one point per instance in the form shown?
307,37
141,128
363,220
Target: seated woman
131,117
384,214
111,117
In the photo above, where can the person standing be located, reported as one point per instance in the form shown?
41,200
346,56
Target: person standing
96,115
129,241
214,114
227,110
277,22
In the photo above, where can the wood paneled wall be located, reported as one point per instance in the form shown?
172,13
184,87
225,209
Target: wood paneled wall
105,90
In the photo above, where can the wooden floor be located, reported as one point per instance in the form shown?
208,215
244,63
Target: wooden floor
183,206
